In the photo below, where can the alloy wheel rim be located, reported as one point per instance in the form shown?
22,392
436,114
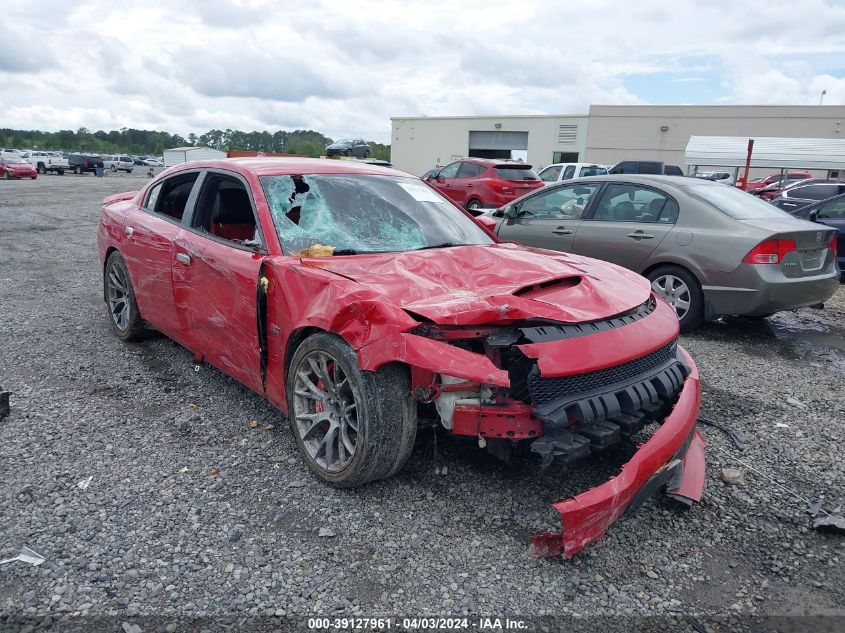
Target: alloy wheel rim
118,295
325,411
675,291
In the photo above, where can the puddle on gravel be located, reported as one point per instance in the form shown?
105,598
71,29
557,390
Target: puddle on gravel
794,336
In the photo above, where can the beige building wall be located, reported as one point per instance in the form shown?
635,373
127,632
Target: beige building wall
618,133
420,143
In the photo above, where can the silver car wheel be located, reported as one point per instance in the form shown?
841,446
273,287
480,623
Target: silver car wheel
325,411
675,291
118,296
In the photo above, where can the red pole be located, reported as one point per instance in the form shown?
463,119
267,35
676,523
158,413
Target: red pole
747,163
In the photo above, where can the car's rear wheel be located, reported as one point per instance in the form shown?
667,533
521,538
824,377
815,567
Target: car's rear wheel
124,318
681,290
351,426
77,170
474,205
61,172
41,169
113,168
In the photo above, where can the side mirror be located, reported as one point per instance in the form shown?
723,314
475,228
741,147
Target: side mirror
511,212
814,215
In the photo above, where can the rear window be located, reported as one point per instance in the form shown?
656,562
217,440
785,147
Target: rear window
516,173
735,203
593,171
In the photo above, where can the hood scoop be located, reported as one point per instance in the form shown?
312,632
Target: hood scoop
556,284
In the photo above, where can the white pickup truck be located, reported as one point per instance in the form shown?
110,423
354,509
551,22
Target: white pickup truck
46,161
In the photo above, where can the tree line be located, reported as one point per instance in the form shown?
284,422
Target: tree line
146,142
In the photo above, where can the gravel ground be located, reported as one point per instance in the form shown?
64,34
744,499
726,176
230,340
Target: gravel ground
191,513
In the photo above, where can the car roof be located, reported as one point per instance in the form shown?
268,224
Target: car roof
646,179
281,166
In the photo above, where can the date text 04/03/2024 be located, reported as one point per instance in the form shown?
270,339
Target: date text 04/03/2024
418,623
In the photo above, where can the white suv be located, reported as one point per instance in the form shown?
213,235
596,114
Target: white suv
119,162
568,171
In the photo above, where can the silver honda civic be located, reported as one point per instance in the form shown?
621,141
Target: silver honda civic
708,249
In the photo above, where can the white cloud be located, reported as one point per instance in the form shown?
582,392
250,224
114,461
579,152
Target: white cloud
344,68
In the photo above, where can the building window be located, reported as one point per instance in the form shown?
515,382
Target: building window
564,157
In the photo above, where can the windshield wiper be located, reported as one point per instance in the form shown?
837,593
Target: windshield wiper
443,245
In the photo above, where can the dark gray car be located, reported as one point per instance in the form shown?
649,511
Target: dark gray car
708,249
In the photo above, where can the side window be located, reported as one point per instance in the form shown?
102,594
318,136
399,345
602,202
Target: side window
833,210
225,211
449,171
633,203
815,192
569,172
647,167
564,203
625,167
550,174
469,170
152,197
173,196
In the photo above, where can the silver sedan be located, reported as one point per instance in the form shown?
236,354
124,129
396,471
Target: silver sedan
708,249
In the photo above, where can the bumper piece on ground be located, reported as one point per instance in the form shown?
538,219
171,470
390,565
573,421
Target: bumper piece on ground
4,403
675,446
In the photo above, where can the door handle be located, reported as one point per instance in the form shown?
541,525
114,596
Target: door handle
469,184
183,258
562,230
129,231
640,235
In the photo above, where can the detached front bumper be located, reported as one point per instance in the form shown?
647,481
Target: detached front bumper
674,456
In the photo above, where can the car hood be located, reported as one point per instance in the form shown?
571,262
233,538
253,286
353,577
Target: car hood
470,285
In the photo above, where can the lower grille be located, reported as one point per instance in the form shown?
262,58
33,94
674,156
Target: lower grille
544,390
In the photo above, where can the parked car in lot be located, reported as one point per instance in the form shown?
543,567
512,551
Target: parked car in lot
349,147
354,296
830,212
568,171
645,167
770,192
807,192
777,179
722,177
46,161
152,161
9,151
707,249
119,162
476,183
82,163
16,167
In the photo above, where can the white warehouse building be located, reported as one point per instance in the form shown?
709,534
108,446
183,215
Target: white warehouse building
606,135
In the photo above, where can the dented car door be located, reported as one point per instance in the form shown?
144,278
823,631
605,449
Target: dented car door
216,268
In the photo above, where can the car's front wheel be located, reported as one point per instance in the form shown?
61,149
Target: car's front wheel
41,169
681,290
124,318
77,170
351,426
474,205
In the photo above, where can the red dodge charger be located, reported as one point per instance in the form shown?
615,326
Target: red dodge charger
352,296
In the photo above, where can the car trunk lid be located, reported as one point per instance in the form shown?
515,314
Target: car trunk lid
804,245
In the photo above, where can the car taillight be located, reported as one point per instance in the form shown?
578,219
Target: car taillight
832,243
769,252
85,164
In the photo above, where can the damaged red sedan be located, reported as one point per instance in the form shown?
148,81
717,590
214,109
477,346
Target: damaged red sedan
357,299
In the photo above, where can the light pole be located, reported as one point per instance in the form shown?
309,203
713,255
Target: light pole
821,98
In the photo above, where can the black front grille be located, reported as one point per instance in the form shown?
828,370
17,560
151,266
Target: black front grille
544,390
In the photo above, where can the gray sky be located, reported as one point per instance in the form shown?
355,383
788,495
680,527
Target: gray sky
345,67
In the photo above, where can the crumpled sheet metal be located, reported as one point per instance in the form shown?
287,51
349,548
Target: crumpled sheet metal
476,284
587,516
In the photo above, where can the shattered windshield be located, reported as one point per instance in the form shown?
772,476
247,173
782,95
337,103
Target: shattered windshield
317,215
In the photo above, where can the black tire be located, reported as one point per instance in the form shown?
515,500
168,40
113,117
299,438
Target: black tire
385,413
41,169
474,205
132,328
61,172
113,168
77,170
366,153
694,315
